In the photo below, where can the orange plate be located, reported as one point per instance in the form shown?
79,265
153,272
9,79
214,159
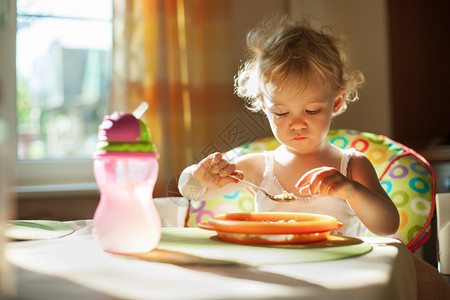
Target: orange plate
271,227
273,238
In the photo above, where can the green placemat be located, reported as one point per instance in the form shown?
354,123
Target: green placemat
197,246
37,229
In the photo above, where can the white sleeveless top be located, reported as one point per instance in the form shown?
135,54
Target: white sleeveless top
333,206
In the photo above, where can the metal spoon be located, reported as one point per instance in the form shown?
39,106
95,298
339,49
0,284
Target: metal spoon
277,198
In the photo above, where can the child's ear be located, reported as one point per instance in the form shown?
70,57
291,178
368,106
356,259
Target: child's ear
338,101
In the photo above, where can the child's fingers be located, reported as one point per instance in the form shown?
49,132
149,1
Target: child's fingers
305,184
228,169
226,180
215,158
316,181
326,185
304,179
239,174
308,177
329,182
221,166
304,191
217,163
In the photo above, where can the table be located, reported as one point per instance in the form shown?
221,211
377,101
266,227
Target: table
74,267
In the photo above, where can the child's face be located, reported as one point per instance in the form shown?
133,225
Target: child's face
300,117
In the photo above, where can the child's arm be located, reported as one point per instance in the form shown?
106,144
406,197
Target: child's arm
209,179
363,193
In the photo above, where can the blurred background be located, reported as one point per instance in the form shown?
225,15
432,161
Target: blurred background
66,63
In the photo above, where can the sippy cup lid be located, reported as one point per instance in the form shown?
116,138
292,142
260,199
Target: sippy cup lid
123,132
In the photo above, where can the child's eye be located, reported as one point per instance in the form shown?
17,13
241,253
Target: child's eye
279,115
313,112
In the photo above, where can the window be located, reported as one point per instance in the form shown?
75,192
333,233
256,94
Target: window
63,72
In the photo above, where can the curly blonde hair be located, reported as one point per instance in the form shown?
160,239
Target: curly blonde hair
281,47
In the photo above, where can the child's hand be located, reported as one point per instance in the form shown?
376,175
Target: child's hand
326,182
213,171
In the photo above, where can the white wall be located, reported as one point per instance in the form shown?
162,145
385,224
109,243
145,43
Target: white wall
364,23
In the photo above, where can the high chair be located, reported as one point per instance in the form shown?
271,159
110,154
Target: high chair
404,174
443,232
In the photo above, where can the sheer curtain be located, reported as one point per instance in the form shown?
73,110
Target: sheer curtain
175,55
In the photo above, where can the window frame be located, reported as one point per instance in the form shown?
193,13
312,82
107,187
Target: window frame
32,177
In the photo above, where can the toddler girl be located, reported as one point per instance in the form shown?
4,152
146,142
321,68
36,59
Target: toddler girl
298,77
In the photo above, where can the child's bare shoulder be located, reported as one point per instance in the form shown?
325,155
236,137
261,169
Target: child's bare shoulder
360,164
359,156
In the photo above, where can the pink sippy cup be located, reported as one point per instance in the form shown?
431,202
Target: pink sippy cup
126,168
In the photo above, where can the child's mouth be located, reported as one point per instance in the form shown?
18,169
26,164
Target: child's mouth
299,138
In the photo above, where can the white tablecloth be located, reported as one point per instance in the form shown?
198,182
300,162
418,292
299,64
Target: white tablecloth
74,266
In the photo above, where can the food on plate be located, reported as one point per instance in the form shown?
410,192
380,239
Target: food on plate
271,227
272,222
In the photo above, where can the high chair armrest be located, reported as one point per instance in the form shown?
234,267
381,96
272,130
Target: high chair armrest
172,210
443,231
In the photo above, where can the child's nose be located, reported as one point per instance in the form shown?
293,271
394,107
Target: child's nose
298,122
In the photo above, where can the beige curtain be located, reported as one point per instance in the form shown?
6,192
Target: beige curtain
175,55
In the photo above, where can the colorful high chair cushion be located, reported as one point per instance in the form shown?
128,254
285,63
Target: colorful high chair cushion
405,175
